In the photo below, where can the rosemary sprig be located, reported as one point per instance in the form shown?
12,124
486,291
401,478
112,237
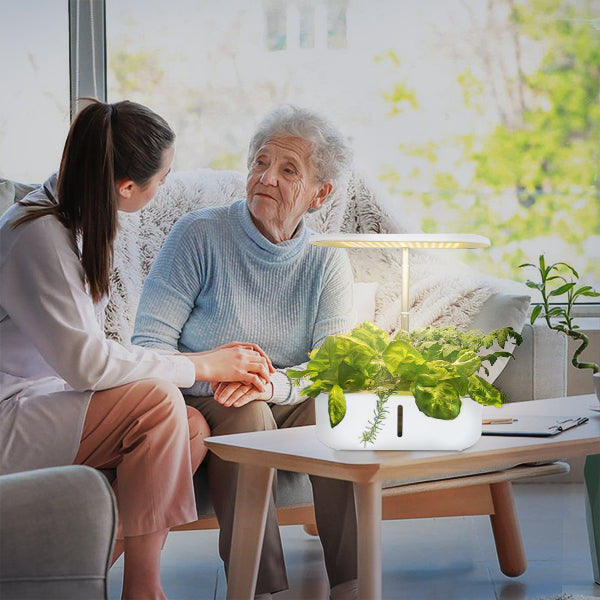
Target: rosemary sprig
374,426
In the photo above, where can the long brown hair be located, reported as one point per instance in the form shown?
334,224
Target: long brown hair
106,144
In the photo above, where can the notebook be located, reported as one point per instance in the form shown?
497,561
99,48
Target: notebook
532,426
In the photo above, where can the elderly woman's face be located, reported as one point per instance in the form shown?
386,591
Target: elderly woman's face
282,186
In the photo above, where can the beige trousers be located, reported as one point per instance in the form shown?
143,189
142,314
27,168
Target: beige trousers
334,499
145,431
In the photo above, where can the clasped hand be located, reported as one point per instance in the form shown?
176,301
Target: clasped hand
239,392
239,371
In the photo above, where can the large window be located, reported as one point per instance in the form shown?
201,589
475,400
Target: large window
34,115
475,116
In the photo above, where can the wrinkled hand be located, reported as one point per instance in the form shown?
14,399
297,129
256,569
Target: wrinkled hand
238,394
240,362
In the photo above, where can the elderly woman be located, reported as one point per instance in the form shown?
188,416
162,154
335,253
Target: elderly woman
246,271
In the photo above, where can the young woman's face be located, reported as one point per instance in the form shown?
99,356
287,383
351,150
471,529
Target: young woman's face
133,197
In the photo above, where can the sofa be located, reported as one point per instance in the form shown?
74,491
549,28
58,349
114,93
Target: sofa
57,528
444,291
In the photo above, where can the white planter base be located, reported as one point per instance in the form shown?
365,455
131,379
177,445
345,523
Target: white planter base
417,431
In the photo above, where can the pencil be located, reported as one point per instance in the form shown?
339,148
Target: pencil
498,421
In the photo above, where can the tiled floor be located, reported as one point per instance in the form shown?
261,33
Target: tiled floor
425,559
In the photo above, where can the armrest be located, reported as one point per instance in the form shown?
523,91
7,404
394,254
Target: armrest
57,528
539,369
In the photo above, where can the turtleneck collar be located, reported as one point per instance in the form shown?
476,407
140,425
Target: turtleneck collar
264,247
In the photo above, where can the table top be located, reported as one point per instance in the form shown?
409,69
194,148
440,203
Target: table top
298,448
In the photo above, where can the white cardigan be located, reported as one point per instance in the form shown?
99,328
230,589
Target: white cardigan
53,351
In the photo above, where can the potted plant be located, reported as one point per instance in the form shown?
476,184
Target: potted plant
555,286
426,378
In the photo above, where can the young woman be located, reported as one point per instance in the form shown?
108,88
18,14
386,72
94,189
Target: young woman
69,395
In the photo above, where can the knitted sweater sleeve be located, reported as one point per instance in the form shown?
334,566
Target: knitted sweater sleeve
170,289
335,315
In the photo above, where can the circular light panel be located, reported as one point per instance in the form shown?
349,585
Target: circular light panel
401,240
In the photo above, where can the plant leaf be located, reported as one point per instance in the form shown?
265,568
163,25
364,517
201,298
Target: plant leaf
563,289
587,290
350,378
314,389
485,393
535,313
556,311
360,356
373,336
295,374
401,358
502,335
467,362
567,266
542,262
440,401
336,405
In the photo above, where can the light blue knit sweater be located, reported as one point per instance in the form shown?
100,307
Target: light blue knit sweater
217,279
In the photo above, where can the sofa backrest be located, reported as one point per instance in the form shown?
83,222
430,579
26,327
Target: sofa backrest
442,290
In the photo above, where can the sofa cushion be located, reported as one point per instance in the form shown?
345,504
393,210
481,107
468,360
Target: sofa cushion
540,366
501,310
12,191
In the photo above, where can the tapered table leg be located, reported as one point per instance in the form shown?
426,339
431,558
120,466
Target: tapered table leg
507,531
591,473
251,505
368,516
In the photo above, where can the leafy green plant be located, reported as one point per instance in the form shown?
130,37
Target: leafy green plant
437,365
553,285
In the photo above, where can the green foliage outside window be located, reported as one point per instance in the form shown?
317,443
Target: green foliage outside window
544,152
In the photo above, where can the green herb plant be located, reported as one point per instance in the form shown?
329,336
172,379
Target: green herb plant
437,365
555,286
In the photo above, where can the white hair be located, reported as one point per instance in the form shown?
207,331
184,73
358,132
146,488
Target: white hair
331,156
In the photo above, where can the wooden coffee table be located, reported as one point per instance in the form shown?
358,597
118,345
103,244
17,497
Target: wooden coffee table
493,460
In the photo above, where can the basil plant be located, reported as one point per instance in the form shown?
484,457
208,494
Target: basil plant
437,365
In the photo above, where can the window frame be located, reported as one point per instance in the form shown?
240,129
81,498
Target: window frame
87,51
